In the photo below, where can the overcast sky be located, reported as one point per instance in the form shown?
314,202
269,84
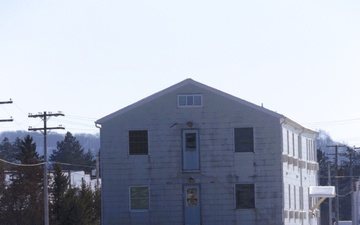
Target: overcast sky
91,58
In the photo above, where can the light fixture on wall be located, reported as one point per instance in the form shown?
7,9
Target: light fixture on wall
191,180
189,124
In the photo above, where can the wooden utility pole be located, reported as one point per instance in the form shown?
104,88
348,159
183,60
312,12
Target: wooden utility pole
97,169
330,199
6,102
354,188
45,116
336,181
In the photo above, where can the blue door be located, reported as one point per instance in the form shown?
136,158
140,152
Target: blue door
192,207
190,150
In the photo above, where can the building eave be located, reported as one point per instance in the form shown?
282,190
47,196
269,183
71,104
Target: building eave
179,85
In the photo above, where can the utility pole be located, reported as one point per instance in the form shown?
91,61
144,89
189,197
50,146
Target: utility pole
351,152
44,130
336,181
354,188
6,102
97,169
330,199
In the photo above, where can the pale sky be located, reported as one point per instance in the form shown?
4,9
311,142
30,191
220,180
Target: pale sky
91,58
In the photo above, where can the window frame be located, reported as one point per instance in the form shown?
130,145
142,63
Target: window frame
139,142
195,152
187,104
187,141
148,199
238,143
253,201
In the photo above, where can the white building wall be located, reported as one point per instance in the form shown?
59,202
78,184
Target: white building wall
299,171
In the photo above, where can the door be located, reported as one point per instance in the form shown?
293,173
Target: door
190,150
192,207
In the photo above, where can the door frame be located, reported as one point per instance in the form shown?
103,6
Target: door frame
189,218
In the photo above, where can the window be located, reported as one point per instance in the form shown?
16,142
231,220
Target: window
245,196
190,151
299,147
190,100
138,142
139,198
301,202
289,196
190,141
295,197
244,139
293,143
287,142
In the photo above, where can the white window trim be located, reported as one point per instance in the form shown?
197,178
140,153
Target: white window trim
189,106
139,210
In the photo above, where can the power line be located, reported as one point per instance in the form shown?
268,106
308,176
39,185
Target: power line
20,164
333,122
42,163
45,116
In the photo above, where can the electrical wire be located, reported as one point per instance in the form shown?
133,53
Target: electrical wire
341,196
70,164
42,163
24,165
333,122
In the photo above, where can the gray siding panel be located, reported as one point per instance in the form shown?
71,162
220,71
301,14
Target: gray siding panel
221,167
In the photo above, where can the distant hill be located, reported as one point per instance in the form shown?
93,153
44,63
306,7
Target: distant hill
88,141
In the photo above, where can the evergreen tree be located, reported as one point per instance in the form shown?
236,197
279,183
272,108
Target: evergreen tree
72,205
69,151
349,165
97,204
86,206
348,159
58,191
22,200
323,141
7,152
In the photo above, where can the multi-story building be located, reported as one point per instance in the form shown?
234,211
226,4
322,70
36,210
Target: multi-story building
191,154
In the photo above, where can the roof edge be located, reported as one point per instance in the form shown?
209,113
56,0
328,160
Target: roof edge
144,100
181,84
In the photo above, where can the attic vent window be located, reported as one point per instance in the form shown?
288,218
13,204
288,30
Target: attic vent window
193,100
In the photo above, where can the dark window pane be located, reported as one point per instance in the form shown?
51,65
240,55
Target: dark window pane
190,100
138,142
192,197
197,100
244,139
190,141
245,196
182,100
139,197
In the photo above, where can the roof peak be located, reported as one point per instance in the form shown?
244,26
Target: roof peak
179,85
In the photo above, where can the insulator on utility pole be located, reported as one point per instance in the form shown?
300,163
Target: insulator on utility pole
6,102
44,116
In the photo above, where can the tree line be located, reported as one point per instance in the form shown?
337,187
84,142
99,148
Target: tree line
347,174
21,184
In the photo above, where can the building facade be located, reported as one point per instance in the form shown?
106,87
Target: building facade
191,154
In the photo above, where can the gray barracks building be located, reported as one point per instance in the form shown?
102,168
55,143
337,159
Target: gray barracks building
191,154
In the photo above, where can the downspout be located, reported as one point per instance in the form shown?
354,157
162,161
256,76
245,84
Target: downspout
282,121
98,159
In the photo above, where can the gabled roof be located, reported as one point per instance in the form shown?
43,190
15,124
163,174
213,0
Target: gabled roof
179,85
